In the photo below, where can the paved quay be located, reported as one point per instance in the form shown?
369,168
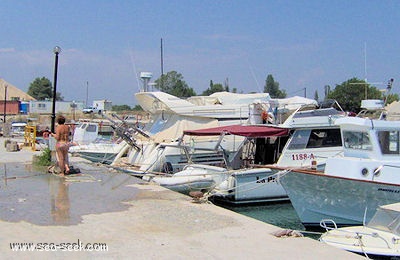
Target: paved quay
136,220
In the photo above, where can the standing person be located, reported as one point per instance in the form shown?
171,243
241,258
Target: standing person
46,134
62,145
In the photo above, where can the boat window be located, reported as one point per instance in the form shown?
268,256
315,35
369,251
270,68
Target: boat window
357,140
161,122
385,220
157,126
91,128
315,138
299,139
389,142
324,138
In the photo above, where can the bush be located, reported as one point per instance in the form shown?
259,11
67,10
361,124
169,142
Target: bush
44,159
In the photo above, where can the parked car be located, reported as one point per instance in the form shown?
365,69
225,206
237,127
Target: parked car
89,110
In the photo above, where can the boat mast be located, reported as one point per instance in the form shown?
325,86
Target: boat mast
162,60
365,70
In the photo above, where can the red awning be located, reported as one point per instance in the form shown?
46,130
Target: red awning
242,130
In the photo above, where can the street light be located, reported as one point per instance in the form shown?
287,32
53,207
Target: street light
56,51
73,106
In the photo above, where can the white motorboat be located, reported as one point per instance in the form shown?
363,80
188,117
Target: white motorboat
194,177
85,133
90,146
379,238
244,156
314,138
202,177
165,151
172,115
364,178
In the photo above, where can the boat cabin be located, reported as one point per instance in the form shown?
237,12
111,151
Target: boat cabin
314,137
262,145
366,138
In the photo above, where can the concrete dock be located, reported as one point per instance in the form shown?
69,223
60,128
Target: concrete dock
118,216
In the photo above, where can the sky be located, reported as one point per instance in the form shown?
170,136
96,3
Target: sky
304,45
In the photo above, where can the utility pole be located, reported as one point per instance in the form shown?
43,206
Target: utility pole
87,93
5,103
162,59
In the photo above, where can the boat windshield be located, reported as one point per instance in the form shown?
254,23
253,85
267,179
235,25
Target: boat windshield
91,128
315,138
389,142
357,140
386,220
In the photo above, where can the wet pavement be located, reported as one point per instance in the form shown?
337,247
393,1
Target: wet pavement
41,198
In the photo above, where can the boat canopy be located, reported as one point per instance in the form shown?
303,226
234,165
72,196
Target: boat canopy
241,130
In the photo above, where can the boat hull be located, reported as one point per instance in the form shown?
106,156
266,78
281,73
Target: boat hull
101,157
190,185
346,201
99,152
250,186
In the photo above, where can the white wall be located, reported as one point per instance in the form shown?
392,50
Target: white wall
45,107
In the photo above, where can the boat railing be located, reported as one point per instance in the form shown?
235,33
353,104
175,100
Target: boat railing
378,170
126,131
161,165
327,224
324,223
187,150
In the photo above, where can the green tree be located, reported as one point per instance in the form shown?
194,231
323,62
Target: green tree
121,108
173,83
42,89
350,93
272,87
137,108
214,88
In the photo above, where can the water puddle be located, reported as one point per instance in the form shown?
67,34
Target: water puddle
41,198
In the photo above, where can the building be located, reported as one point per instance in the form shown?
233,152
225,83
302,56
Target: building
102,105
18,102
12,99
46,106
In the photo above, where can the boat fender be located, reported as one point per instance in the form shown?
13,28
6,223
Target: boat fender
264,116
267,117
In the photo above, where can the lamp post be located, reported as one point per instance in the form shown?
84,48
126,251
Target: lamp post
73,106
56,51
